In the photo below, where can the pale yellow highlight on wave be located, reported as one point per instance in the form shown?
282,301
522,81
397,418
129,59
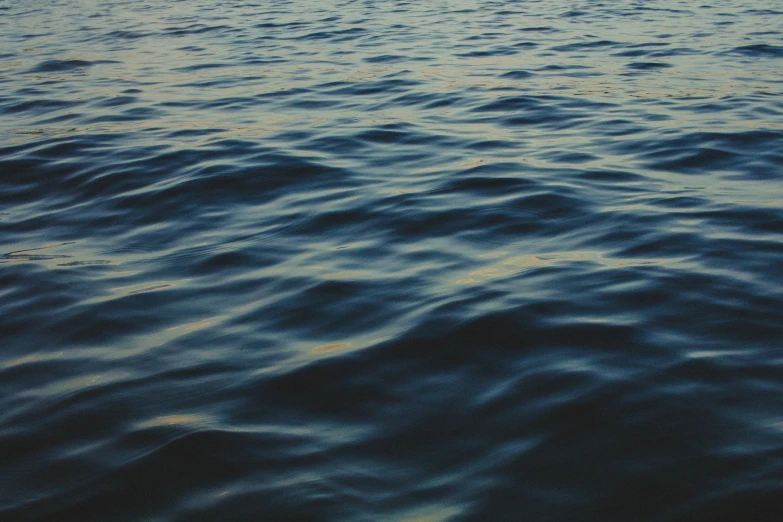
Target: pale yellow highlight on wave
181,419
333,347
515,265
191,327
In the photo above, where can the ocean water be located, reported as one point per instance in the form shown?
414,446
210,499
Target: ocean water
443,260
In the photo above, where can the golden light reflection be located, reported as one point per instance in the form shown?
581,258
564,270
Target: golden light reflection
518,264
141,288
476,162
349,274
22,360
505,268
34,358
175,420
327,348
192,327
432,514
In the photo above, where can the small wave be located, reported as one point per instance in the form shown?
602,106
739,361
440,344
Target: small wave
760,50
50,66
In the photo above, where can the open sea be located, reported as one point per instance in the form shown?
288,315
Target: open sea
376,260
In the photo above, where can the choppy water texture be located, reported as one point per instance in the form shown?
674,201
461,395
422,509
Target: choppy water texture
386,260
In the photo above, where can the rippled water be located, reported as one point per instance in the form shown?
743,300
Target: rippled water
387,260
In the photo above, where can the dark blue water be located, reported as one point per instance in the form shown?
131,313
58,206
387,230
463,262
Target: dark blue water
382,260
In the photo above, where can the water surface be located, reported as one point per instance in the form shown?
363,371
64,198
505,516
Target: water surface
386,260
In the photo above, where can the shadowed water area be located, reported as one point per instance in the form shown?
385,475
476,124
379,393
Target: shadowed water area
440,260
